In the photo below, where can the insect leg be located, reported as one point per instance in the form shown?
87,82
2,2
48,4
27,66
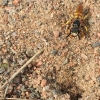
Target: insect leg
86,16
79,37
71,15
64,24
69,33
86,32
79,34
69,25
68,22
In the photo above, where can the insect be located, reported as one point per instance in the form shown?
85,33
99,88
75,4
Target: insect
78,25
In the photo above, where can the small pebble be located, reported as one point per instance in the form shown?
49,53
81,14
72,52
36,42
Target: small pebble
51,98
98,17
71,53
21,61
39,63
98,78
84,56
39,77
23,94
54,52
37,94
38,81
63,45
43,83
52,14
5,61
4,50
27,93
98,34
64,54
31,89
58,68
54,92
4,65
91,21
19,87
43,94
32,95
26,83
59,53
29,65
17,80
24,79
16,2
96,44
66,61
10,89
29,53
56,33
4,2
23,88
19,92
46,88
2,69
14,47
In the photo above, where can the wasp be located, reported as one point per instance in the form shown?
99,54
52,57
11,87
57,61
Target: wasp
78,25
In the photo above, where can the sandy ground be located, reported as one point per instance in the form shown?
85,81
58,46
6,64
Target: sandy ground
69,68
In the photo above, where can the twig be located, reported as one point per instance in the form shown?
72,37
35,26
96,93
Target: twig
6,91
19,70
